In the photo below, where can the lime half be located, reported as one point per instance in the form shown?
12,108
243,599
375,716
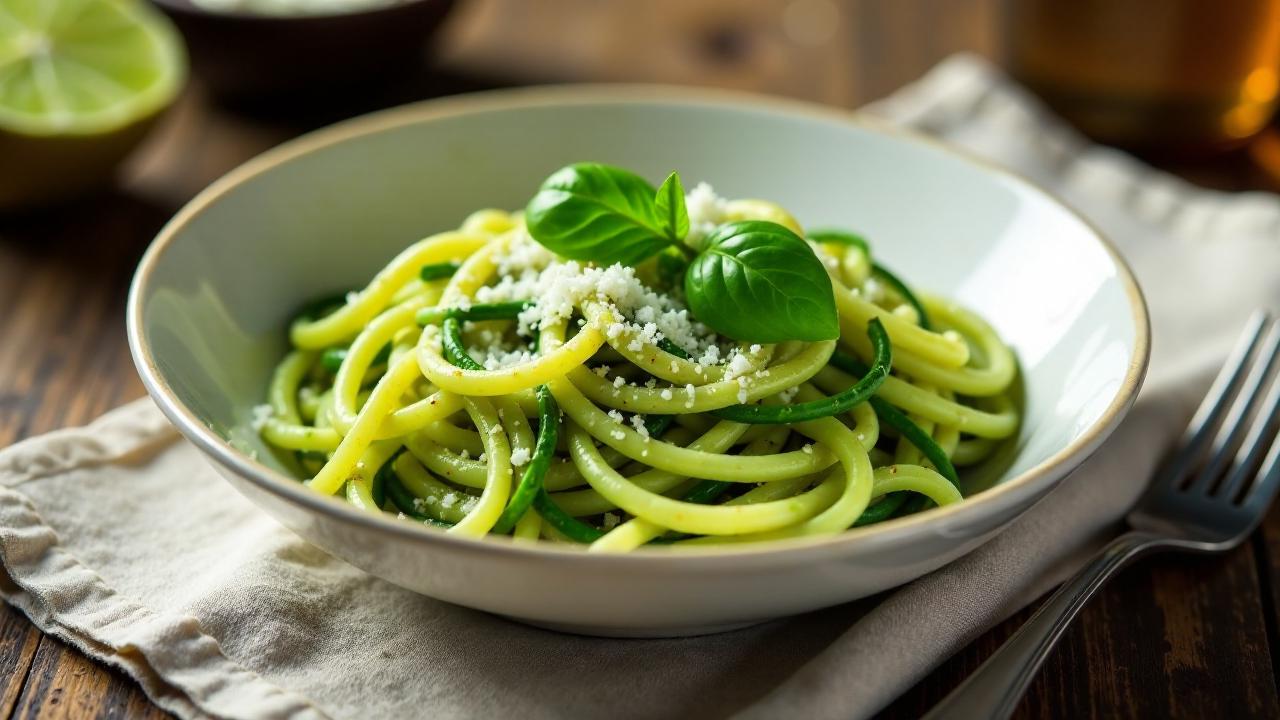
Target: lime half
80,81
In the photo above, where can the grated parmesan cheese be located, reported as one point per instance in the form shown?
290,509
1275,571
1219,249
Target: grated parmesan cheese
261,414
706,211
711,356
637,422
559,287
520,456
738,365
873,290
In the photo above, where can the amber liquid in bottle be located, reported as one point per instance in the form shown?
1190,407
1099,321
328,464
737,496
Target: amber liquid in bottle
1175,76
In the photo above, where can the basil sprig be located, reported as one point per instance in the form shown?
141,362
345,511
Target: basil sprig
753,281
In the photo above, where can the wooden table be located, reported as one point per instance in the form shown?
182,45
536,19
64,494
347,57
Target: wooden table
1175,636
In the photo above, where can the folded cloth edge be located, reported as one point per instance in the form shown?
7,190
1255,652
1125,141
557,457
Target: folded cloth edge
66,599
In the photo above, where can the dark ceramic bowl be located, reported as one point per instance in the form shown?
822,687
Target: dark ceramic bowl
247,57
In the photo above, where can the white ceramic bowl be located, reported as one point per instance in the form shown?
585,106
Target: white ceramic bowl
212,296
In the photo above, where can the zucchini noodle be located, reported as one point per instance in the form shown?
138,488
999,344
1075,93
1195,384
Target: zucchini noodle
483,386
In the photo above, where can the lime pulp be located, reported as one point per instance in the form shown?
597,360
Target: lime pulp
84,67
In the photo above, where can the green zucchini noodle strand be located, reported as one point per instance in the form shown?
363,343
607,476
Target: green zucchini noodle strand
482,386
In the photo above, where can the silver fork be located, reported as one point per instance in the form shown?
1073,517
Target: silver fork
1210,495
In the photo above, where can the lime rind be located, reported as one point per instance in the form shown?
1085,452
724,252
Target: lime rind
110,63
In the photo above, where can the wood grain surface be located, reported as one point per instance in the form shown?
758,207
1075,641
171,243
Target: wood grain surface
1174,636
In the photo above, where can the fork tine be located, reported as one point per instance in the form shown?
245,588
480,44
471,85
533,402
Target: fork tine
1236,423
1205,422
1262,492
1261,438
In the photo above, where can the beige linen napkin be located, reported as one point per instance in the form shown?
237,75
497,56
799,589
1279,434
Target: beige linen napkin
119,539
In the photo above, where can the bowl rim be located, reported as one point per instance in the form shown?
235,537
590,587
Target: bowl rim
1032,483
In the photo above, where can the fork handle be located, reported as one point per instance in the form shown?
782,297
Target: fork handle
994,689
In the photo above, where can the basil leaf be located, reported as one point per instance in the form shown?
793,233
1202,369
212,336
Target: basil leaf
598,213
672,212
757,281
